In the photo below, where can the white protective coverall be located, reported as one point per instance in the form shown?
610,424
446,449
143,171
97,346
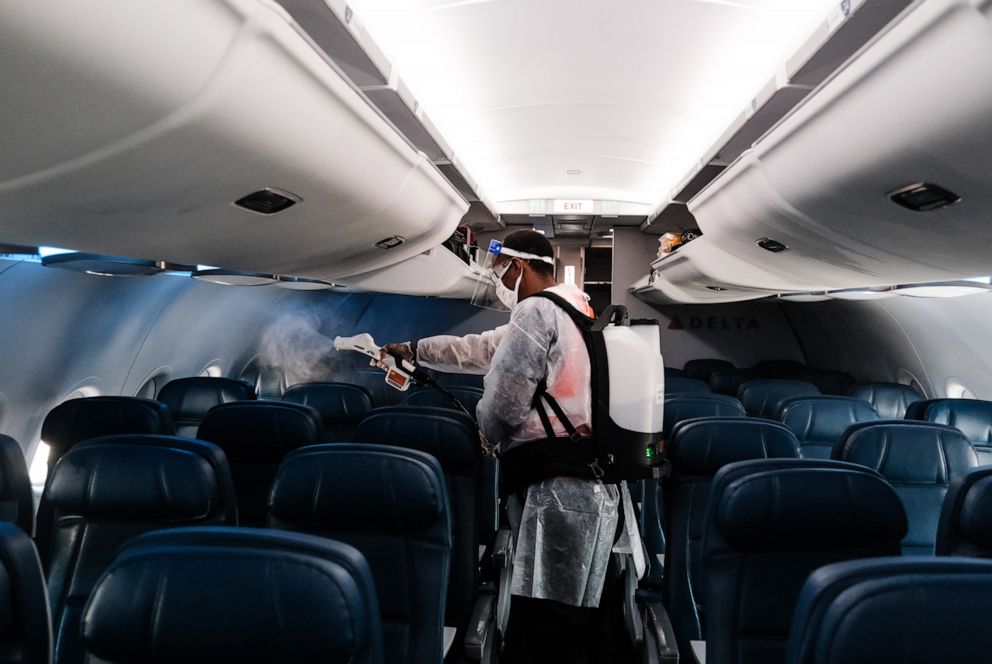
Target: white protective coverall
565,529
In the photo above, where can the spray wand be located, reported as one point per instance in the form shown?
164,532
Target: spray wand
400,373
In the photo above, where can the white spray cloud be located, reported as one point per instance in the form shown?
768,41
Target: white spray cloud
295,347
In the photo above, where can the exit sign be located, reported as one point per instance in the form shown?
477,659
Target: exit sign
573,207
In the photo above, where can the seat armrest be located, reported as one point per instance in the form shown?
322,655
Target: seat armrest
503,561
503,549
660,631
479,644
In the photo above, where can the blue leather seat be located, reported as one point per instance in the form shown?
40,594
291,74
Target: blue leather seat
729,381
764,397
966,517
919,460
681,385
453,440
91,417
234,595
896,611
915,410
770,523
341,405
702,368
25,627
819,422
16,502
105,491
680,407
391,504
672,372
189,399
830,382
428,396
890,400
697,450
460,380
781,369
972,416
255,436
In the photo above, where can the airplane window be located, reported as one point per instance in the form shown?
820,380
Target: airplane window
958,390
38,469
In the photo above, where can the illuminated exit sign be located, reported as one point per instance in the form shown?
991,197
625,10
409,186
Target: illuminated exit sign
573,207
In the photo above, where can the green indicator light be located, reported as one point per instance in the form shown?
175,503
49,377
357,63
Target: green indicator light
649,452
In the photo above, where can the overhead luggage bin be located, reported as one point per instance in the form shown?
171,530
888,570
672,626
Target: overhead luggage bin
134,139
829,181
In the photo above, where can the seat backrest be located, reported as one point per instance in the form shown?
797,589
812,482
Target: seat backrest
916,409
763,397
781,369
697,450
905,610
972,416
454,442
729,381
681,385
919,460
389,503
830,382
702,368
672,372
769,524
91,417
819,422
890,400
255,436
469,396
680,407
965,527
16,502
461,380
25,626
103,492
234,595
341,405
190,398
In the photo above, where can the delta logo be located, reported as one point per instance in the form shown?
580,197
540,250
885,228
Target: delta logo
715,323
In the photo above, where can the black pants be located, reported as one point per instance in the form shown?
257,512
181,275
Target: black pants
549,632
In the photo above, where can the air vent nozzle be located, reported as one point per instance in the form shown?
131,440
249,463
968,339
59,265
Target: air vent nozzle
391,242
771,245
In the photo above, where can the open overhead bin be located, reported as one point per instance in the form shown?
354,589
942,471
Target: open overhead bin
850,183
134,128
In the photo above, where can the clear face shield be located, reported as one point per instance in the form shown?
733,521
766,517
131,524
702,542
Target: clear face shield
490,290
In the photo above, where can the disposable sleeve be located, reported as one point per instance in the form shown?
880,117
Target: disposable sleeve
470,354
519,364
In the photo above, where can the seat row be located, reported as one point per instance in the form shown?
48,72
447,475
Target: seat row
748,520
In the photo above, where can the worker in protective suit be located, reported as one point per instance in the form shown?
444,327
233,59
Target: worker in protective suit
564,527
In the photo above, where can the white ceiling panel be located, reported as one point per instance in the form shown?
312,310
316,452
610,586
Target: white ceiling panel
629,92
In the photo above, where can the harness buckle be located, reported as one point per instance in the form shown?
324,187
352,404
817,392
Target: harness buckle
597,470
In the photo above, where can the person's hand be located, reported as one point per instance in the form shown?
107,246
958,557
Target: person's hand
404,351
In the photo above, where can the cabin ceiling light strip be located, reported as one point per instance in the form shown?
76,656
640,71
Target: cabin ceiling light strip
233,277
104,266
805,297
303,284
861,294
943,289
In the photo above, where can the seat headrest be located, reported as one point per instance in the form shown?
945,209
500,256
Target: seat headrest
802,505
435,431
339,404
90,417
824,419
24,614
966,518
908,452
890,400
234,594
261,432
702,446
830,382
729,381
763,397
866,610
340,486
678,385
916,409
680,407
782,369
972,416
468,396
189,399
701,369
142,477
16,500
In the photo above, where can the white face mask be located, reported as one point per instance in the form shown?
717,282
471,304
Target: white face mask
506,296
